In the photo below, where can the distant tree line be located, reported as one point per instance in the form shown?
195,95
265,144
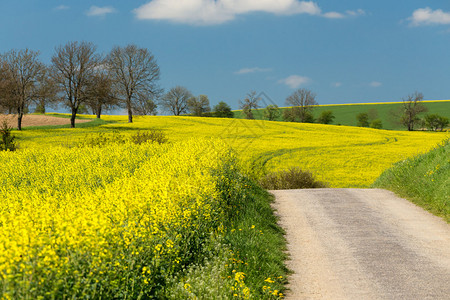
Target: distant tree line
301,104
84,80
407,115
79,77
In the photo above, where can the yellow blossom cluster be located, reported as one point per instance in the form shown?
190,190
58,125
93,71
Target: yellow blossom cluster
107,222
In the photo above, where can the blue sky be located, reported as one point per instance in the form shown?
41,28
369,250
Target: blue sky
345,51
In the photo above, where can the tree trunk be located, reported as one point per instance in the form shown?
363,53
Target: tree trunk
72,118
130,112
19,120
99,111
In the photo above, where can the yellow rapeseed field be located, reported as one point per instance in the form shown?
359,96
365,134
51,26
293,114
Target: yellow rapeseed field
342,156
114,220
122,220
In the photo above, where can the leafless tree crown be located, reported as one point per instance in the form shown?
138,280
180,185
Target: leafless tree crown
135,74
73,66
176,100
412,107
302,98
21,70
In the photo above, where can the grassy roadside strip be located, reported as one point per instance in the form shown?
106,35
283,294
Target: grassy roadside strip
424,179
249,257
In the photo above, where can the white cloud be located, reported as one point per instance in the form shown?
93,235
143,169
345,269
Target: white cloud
336,84
252,70
348,13
375,84
356,13
427,16
294,81
96,11
333,15
62,7
208,12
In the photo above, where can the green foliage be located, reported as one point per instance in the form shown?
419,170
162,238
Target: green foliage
83,109
290,115
436,122
258,244
222,110
271,112
296,114
326,117
376,124
293,178
249,258
248,112
362,120
198,106
308,117
115,137
153,135
7,142
425,179
40,108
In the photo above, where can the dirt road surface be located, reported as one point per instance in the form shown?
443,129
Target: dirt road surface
363,244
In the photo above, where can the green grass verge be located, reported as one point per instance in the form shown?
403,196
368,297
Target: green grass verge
345,114
424,179
250,257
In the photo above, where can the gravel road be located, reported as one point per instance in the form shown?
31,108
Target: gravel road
363,244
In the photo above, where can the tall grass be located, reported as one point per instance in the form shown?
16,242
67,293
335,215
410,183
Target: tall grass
425,179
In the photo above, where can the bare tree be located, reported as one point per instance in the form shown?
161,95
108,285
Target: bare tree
199,105
145,105
99,93
302,102
412,107
249,103
47,93
176,100
6,103
73,66
134,72
22,70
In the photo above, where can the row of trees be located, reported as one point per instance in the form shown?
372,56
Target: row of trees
180,101
77,76
302,102
81,78
409,114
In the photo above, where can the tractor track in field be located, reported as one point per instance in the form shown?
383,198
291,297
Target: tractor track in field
363,244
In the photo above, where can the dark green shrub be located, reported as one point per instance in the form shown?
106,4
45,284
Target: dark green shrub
222,110
115,137
293,178
435,122
271,112
152,135
362,120
102,139
376,124
326,117
6,138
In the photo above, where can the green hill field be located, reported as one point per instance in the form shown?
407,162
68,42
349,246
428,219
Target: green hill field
345,114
